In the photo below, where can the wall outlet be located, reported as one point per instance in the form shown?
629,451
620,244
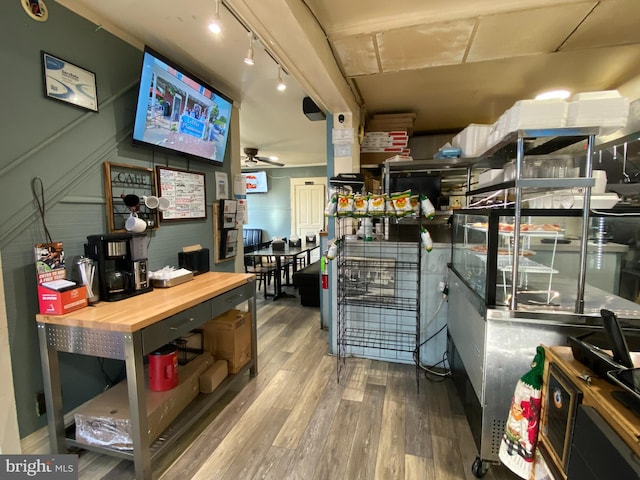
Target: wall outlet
41,406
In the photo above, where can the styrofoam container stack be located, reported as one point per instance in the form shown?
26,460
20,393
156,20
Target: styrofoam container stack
607,109
472,140
528,114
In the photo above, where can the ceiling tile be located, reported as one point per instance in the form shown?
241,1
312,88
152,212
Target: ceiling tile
424,45
445,99
526,32
613,22
357,55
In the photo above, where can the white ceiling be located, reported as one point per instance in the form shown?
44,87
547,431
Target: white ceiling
451,62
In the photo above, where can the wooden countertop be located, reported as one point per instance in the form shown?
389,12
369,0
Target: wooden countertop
598,395
140,311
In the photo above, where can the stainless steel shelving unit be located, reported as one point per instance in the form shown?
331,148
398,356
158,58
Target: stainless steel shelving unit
540,142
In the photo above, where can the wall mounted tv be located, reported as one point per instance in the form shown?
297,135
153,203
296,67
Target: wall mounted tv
256,182
178,112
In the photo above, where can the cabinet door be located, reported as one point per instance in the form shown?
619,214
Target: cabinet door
598,452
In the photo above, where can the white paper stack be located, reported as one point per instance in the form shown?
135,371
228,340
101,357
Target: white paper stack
607,109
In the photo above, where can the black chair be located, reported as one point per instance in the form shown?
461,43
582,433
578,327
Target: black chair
263,271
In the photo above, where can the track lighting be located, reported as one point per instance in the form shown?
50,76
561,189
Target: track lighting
249,58
214,26
281,85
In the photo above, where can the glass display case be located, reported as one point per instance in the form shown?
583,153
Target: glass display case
546,269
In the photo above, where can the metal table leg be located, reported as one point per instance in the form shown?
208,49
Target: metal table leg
137,405
53,392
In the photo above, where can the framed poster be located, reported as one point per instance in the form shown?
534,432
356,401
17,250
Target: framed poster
69,83
186,192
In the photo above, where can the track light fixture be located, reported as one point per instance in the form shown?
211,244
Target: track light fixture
249,58
215,26
281,85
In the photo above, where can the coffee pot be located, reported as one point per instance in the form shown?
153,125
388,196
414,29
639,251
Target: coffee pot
121,264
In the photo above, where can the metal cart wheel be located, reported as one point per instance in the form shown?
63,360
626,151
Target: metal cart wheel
478,468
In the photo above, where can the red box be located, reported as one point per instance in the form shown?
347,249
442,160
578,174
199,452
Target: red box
53,302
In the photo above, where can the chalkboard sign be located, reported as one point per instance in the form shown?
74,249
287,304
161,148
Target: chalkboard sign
186,192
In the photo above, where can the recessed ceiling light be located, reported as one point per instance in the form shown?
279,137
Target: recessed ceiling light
553,94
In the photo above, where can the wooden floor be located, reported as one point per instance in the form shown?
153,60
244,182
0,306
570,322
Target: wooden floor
295,421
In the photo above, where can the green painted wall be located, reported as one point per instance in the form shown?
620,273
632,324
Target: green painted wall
271,211
66,147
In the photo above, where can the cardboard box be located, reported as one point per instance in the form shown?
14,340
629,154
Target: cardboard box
391,122
214,376
106,421
228,337
54,302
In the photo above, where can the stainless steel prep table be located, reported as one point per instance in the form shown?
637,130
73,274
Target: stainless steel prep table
130,329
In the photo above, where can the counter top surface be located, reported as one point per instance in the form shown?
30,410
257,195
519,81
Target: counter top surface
140,311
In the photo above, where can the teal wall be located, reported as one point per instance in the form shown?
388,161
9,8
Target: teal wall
271,211
66,147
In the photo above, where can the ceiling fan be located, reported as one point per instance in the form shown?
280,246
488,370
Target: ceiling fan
252,157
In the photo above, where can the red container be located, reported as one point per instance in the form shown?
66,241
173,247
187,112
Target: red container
163,368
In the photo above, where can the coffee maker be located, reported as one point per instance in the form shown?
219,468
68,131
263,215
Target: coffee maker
122,264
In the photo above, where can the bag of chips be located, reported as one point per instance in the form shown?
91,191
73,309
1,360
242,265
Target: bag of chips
345,205
376,205
428,210
415,205
402,203
360,205
425,238
332,206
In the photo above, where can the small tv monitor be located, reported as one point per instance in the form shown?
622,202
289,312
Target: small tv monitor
619,345
179,113
256,182
420,183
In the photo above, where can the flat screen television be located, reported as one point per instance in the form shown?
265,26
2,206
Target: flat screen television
420,183
179,113
256,182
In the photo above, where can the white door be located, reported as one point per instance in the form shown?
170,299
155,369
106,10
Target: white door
307,205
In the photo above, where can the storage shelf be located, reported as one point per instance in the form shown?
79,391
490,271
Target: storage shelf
378,297
374,338
181,425
378,301
552,140
535,183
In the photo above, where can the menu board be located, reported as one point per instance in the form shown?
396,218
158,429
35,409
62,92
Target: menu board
186,192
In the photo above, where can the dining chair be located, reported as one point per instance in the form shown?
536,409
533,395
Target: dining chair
263,271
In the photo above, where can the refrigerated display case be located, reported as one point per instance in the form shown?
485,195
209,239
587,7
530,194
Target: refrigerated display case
522,277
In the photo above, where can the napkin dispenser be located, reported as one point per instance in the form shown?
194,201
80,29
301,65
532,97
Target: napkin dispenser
277,245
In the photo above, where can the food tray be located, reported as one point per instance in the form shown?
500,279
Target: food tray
171,282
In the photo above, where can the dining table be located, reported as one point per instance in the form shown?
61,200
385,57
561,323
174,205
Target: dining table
288,252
